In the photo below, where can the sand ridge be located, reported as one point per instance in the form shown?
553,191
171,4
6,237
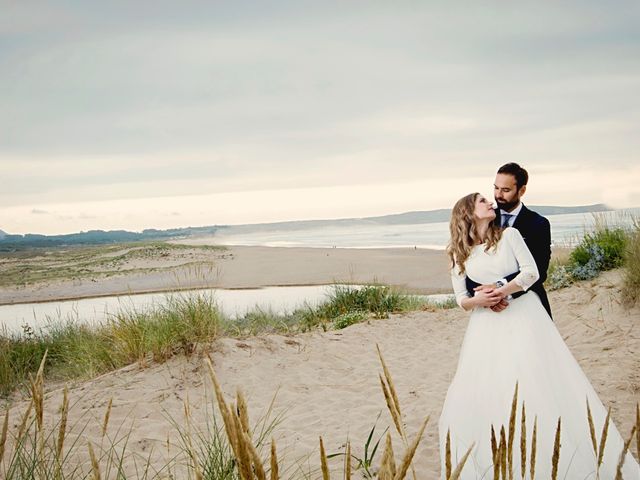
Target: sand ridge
417,270
327,382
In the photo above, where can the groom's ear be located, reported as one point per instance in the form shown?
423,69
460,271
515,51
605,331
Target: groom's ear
523,189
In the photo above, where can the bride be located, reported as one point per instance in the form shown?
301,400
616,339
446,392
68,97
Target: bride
518,345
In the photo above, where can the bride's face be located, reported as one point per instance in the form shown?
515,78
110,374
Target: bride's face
483,209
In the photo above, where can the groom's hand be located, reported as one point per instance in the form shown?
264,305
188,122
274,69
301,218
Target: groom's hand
489,297
498,307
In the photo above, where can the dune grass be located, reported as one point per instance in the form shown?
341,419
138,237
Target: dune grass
78,350
182,325
631,287
228,447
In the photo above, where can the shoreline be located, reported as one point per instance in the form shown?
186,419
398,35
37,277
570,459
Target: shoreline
149,292
418,271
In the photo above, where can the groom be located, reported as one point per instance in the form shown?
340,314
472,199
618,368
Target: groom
509,187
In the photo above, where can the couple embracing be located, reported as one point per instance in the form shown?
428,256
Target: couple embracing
499,261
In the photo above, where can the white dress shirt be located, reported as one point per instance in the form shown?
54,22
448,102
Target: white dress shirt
513,214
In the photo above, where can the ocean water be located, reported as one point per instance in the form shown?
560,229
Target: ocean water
566,230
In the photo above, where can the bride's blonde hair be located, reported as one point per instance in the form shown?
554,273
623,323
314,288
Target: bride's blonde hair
464,234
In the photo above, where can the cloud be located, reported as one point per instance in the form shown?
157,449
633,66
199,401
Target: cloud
37,211
211,98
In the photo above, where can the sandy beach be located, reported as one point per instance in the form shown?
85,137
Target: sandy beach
417,270
134,270
326,383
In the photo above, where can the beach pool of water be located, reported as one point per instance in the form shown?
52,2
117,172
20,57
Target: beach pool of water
233,303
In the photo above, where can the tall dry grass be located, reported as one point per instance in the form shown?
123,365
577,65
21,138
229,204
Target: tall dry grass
234,450
631,287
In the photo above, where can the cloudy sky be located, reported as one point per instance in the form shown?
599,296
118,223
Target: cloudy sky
164,114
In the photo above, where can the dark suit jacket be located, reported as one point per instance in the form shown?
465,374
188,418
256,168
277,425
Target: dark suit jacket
536,232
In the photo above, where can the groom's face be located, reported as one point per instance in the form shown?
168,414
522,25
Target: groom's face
506,193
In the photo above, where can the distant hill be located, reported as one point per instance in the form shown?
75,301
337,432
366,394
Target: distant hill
10,242
407,218
549,210
444,214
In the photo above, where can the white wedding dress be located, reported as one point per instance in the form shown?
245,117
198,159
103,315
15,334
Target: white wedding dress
521,344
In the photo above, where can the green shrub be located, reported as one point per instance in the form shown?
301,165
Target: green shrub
610,242
559,277
347,319
602,249
377,299
593,266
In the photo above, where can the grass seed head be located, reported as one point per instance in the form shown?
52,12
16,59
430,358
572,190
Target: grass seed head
555,459
274,461
227,417
458,471
503,453
323,462
447,455
592,430
623,454
3,435
258,468
512,430
523,442
534,446
244,453
410,452
347,462
63,422
243,412
388,466
390,405
495,454
107,416
95,466
392,388
603,437
638,429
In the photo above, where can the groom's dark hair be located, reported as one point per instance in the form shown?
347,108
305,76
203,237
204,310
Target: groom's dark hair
519,173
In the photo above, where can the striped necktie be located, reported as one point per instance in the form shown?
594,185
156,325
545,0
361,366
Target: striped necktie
506,219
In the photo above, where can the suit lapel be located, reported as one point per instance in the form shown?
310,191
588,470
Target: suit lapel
521,219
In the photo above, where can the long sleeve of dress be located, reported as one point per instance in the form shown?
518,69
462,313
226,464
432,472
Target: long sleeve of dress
459,285
528,270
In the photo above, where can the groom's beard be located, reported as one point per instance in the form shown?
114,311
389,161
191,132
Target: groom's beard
507,206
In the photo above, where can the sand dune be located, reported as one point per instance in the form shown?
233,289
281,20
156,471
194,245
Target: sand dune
327,382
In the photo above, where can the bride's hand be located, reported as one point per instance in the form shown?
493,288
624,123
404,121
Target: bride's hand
487,297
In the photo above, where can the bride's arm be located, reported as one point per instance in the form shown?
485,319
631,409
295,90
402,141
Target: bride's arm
464,299
528,270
